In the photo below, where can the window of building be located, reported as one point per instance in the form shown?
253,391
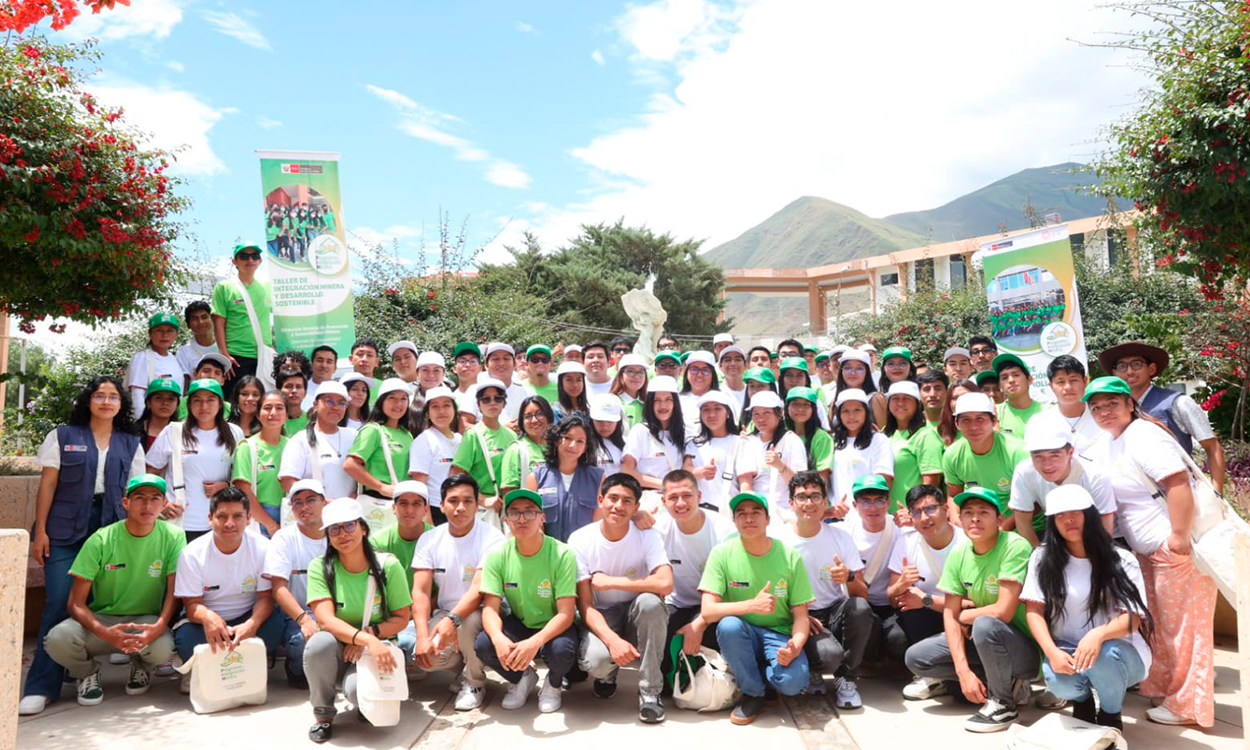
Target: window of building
959,272
889,279
924,272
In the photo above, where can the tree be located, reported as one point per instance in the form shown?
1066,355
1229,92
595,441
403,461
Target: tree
18,15
86,214
1183,154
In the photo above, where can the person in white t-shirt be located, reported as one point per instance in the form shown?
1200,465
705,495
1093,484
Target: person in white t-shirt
771,456
286,566
155,361
432,451
732,362
1067,382
502,368
1053,462
595,358
449,559
623,575
841,621
915,569
657,444
717,449
877,538
608,419
859,448
325,362
318,450
221,582
199,318
1106,650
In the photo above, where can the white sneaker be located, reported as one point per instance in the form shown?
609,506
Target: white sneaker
846,693
520,692
470,697
456,683
1161,715
923,688
548,698
184,686
119,658
32,704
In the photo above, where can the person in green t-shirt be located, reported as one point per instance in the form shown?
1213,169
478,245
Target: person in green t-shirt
232,327
212,366
126,570
802,419
293,385
756,590
538,382
985,457
410,505
1018,407
917,446
256,461
379,455
535,418
486,468
338,584
986,653
537,575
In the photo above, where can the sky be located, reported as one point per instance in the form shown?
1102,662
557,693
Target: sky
692,117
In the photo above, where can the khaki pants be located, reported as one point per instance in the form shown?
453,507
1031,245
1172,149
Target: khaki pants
75,648
466,635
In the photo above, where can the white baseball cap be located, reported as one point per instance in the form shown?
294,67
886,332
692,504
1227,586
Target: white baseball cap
497,346
717,397
1045,435
733,349
766,400
631,360
851,394
331,388
340,511
971,403
723,338
663,384
703,356
490,383
903,388
867,348
353,377
570,368
605,408
951,352
572,348
431,358
1068,497
307,485
390,385
410,487
390,350
855,355
440,391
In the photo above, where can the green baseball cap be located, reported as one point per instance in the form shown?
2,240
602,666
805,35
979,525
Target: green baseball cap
668,354
985,376
1106,384
809,349
794,363
162,319
1004,360
245,246
823,356
537,349
466,346
163,385
522,494
896,351
754,497
205,384
980,493
761,375
869,482
802,391
683,357
145,480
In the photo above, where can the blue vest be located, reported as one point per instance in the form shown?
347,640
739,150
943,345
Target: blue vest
568,511
1158,404
75,487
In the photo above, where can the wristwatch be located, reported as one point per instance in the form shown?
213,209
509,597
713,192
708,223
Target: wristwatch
927,601
455,618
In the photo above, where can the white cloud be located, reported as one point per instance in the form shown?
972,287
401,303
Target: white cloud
525,28
268,124
777,99
173,119
235,26
429,125
176,66
597,56
150,19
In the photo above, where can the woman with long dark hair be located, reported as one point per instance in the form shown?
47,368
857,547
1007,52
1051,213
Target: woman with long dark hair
771,456
1085,601
245,404
338,584
917,446
717,451
85,466
855,371
256,463
802,408
859,448
520,458
359,396
699,378
630,386
434,449
757,380
571,390
658,444
320,449
160,404
568,479
607,419
896,366
379,455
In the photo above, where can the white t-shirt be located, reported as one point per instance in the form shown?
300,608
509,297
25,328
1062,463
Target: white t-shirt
228,584
1029,489
739,398
288,557
512,409
190,354
688,553
918,553
1075,621
818,553
655,457
355,424
690,414
431,454
331,453
1085,432
49,457
454,560
851,463
634,556
717,490
466,402
866,542
609,458
146,366
1142,518
600,389
206,462
310,395
768,481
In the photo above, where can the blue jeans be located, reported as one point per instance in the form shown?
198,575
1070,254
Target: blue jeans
751,652
274,512
407,639
1117,668
45,675
191,634
293,639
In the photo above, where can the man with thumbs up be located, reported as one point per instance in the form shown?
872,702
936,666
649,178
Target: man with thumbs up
756,591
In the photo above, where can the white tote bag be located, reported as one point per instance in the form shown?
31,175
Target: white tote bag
1058,731
228,679
711,688
490,516
264,352
379,693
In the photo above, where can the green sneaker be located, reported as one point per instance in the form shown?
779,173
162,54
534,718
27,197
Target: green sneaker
140,679
89,691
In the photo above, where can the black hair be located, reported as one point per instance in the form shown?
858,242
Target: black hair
460,480
542,404
668,336
368,395
235,412
621,479
198,305
617,437
676,427
705,435
366,341
551,453
802,478
302,363
932,374
228,494
864,438
311,428
141,424
983,341
790,342
779,433
685,380
597,344
810,427
921,491
758,348
744,418
1110,587
678,475
286,374
326,348
80,412
807,380
566,402
622,340
374,566
911,371
406,422
917,419
225,437
1065,363
868,386
946,422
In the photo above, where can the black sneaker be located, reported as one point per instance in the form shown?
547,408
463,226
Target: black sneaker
299,682
320,732
1110,720
1085,710
770,696
993,717
650,709
747,710
604,689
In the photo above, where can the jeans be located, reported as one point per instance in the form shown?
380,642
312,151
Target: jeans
1117,668
324,666
293,639
560,652
274,512
918,624
887,639
191,634
840,647
997,649
678,618
644,623
448,658
751,652
76,649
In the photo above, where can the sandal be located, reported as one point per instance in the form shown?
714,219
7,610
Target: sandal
321,731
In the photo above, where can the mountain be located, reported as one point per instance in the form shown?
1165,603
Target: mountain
981,212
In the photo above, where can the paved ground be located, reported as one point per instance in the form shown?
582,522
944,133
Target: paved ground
163,718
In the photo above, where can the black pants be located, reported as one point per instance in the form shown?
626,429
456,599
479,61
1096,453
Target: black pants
247,366
887,639
918,624
678,618
437,517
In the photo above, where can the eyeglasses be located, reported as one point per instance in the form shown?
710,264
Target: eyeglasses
808,497
106,398
1134,365
468,361
298,504
928,510
983,350
621,350
667,364
872,502
704,371
248,256
526,515
347,527
534,417
491,399
333,402
541,360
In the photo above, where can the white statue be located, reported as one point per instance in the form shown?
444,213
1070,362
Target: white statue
648,316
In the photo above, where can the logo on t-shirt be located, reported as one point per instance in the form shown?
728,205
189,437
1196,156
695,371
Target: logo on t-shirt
544,588
299,572
991,585
72,448
508,585
782,588
468,573
249,584
377,605
674,561
826,573
631,573
115,566
1004,485
156,568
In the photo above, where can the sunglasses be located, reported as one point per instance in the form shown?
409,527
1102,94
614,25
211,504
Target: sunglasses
248,256
541,360
347,527
492,399
621,350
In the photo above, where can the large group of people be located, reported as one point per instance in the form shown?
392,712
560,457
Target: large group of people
813,515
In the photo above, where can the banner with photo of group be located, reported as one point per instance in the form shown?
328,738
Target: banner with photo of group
1034,310
306,251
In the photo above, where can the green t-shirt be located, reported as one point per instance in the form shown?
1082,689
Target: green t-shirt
294,426
531,585
127,572
993,470
268,458
737,575
550,391
228,303
469,455
632,413
349,590
389,540
328,218
966,573
821,451
182,409
368,448
919,454
510,474
1012,420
